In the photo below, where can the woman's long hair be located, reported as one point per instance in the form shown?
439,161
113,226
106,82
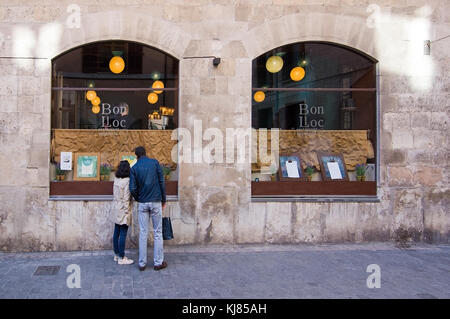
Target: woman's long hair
123,170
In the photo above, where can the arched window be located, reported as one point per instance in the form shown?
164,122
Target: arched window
108,98
321,100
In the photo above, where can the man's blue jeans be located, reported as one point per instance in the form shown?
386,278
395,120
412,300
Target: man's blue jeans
145,210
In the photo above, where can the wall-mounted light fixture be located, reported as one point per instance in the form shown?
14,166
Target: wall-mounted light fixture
426,47
216,60
427,44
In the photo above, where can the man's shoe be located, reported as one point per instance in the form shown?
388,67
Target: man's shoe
162,266
125,261
141,268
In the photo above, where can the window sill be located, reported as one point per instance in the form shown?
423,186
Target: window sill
320,190
94,190
314,199
96,198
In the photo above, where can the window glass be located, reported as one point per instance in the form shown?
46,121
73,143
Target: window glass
108,98
322,98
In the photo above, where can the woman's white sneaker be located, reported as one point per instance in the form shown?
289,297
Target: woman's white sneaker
125,261
116,258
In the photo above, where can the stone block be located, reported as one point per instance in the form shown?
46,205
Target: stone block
41,137
393,157
218,12
308,222
388,121
439,121
341,222
423,139
190,68
26,104
419,156
207,86
38,156
234,49
436,215
388,104
30,85
400,176
9,85
278,228
216,214
184,233
408,215
69,233
428,176
250,223
257,17
402,139
9,122
227,67
28,122
420,120
98,227
239,86
242,12
221,85
36,228
8,103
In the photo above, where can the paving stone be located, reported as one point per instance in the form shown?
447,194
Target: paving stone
314,272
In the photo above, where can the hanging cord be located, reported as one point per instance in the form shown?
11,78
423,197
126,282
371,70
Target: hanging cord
23,58
440,39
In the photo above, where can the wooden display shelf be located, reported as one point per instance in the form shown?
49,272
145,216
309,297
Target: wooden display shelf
322,188
95,188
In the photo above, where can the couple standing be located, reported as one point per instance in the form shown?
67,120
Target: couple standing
145,182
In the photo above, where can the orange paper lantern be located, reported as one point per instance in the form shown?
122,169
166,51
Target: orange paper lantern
259,96
95,109
297,73
158,85
96,101
116,64
90,95
152,98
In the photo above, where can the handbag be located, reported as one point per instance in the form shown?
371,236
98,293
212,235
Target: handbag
167,228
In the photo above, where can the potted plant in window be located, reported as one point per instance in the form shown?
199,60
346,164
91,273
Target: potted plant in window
166,172
273,172
60,174
105,171
360,172
309,172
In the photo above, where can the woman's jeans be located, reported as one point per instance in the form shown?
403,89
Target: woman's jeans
145,211
120,234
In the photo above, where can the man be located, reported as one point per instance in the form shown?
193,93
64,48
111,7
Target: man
148,189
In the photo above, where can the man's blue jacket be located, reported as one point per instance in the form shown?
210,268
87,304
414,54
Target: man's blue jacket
147,181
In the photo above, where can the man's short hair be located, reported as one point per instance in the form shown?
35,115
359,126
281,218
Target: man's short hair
139,151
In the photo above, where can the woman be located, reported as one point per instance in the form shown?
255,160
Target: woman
121,212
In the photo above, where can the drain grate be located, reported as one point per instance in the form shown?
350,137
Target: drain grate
46,270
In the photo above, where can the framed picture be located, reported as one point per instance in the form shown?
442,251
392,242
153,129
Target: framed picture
130,157
87,167
332,167
290,168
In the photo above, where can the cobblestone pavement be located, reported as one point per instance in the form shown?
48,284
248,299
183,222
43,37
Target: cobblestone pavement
269,271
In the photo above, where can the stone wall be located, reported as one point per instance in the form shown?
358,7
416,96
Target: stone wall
217,208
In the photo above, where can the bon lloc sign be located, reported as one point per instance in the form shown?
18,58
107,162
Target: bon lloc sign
110,112
311,117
